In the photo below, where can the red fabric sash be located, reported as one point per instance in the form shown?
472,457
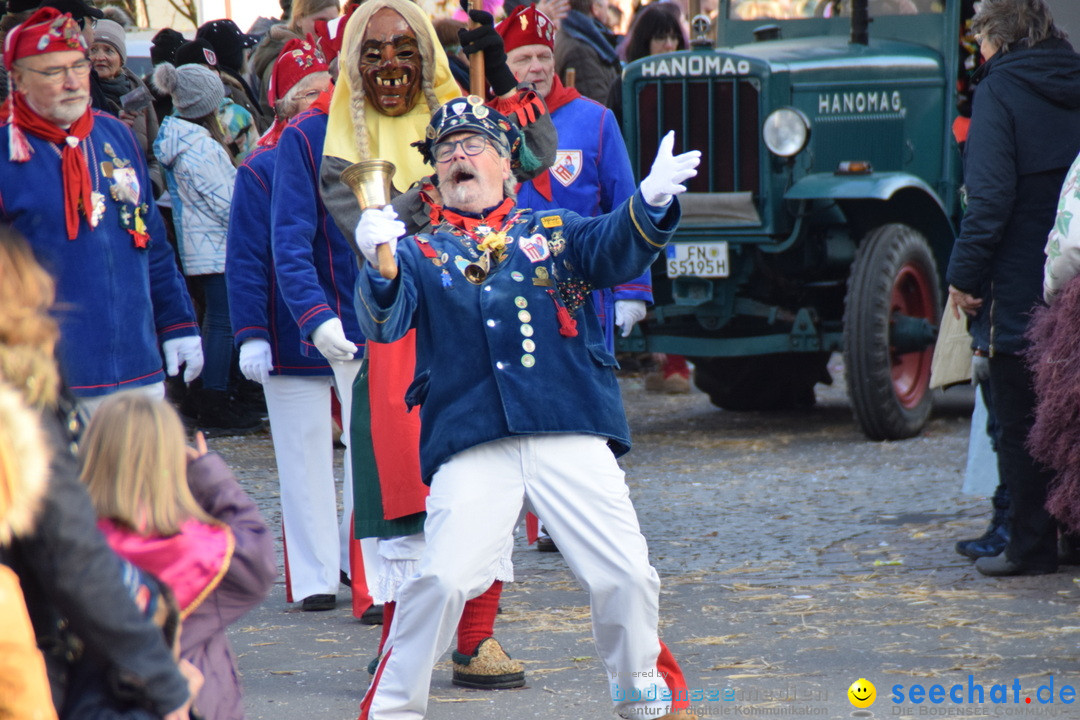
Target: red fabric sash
75,172
559,96
395,432
192,562
493,219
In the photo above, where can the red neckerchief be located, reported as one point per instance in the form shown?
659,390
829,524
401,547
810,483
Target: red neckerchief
75,173
494,219
559,96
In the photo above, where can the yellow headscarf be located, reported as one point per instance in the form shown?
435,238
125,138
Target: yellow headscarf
387,138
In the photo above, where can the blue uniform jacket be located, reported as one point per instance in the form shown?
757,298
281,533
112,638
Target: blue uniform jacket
115,302
315,266
591,176
491,361
256,307
1024,135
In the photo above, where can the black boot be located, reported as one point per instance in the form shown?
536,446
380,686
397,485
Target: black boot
992,542
217,416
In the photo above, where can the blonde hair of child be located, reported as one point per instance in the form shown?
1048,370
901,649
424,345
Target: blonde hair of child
134,463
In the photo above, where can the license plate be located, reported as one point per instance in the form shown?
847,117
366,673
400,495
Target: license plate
700,259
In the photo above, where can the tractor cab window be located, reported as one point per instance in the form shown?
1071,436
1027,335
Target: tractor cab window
799,9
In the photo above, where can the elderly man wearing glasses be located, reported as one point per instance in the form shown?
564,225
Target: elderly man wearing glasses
75,183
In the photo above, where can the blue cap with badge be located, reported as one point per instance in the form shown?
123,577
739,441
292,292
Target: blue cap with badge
470,114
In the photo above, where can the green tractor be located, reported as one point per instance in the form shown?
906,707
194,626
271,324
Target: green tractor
826,204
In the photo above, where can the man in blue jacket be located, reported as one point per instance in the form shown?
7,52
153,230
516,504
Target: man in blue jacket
74,182
519,401
1024,135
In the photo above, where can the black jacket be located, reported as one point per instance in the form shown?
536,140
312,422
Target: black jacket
1024,135
71,580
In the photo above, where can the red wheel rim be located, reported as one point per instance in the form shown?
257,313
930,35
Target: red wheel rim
912,295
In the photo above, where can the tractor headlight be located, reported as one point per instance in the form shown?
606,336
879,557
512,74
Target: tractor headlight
786,132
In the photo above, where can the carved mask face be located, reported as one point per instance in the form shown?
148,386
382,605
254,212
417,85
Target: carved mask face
390,63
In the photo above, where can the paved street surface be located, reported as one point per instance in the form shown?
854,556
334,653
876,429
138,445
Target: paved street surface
796,557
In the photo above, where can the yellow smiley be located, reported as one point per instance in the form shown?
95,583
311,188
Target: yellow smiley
862,693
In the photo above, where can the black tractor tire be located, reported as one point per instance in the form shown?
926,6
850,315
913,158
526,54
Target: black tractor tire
894,273
762,382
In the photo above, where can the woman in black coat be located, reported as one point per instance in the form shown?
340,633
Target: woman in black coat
1024,135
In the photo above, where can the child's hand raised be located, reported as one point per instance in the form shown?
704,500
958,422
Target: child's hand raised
200,449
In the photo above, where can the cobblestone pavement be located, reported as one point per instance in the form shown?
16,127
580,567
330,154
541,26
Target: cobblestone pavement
796,557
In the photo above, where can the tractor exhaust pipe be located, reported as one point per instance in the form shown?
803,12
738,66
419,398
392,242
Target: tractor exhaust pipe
860,22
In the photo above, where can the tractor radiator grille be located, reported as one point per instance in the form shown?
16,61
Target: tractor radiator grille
717,116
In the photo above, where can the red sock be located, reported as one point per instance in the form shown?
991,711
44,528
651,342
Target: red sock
675,365
478,619
387,618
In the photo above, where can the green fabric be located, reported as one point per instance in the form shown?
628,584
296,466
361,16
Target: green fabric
368,517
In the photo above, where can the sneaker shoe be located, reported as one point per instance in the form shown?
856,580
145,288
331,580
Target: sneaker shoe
488,668
676,384
654,381
544,543
992,543
372,616
1001,566
316,603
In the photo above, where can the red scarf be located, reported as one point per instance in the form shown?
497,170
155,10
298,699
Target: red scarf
493,219
559,96
75,172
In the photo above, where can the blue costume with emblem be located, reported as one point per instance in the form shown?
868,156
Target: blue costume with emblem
117,302
486,352
591,176
256,306
316,268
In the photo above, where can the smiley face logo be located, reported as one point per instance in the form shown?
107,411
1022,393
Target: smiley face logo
862,693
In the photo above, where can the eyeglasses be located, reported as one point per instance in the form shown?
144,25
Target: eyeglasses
56,75
471,146
310,95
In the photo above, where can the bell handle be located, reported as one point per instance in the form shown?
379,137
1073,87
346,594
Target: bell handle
388,267
477,81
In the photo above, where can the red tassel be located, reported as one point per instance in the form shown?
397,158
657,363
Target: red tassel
19,151
567,324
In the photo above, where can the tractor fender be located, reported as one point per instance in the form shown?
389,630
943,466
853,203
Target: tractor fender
871,200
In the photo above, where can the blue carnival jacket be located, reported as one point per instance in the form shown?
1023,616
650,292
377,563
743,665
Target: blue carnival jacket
591,176
256,307
1024,135
315,266
115,302
493,359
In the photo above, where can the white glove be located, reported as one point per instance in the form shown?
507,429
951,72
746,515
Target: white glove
186,351
378,226
629,313
668,173
330,339
256,360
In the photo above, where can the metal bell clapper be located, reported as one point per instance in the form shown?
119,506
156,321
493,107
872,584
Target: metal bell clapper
370,182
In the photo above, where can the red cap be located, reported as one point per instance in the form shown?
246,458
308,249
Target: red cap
298,59
46,31
331,33
526,26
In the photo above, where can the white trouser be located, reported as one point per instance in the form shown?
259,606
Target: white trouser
87,406
574,484
299,410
